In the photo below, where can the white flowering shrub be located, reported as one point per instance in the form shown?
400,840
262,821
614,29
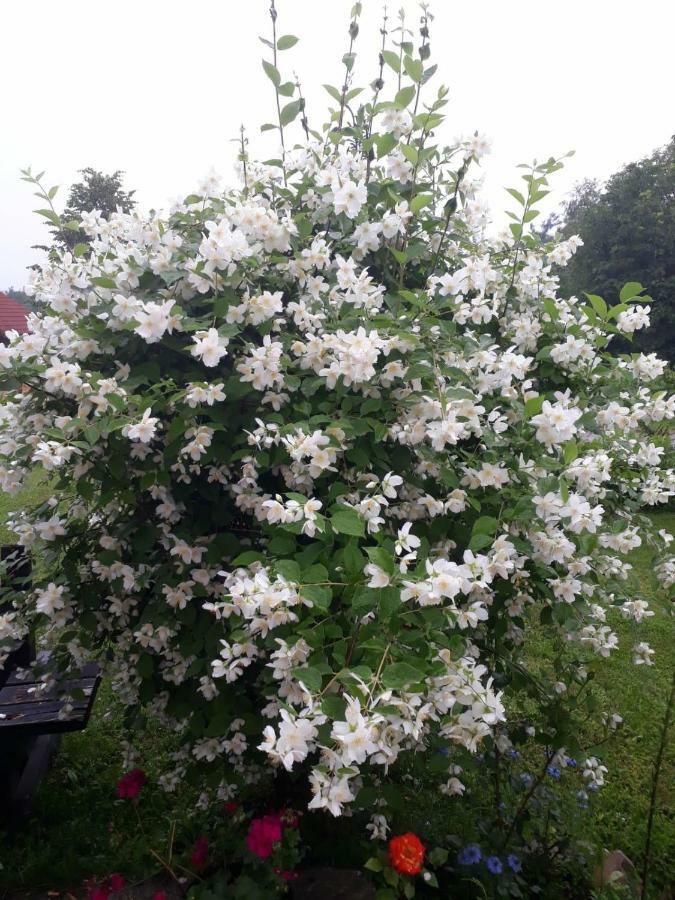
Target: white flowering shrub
324,447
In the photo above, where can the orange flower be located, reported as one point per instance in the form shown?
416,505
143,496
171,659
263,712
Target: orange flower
406,853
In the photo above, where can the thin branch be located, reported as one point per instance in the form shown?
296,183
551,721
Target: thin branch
655,783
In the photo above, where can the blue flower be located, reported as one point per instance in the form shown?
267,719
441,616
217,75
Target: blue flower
469,855
513,862
514,754
553,771
571,761
494,864
526,778
444,751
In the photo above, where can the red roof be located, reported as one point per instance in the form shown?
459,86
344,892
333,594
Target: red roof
12,315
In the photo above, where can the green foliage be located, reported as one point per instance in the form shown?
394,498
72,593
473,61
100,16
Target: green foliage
628,229
96,191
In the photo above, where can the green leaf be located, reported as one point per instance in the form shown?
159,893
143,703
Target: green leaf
392,59
420,201
533,406
480,541
104,282
319,595
333,91
519,197
385,144
272,73
80,249
353,559
564,490
410,153
347,521
438,856
570,452
400,675
389,601
286,41
287,89
315,573
289,569
290,112
598,305
49,214
309,676
282,545
379,557
485,525
551,309
405,96
630,290
246,558
334,707
414,68
373,864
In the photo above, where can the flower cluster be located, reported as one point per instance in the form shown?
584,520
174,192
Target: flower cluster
321,446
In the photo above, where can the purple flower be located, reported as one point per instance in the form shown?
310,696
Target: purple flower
570,761
469,855
553,771
494,864
513,862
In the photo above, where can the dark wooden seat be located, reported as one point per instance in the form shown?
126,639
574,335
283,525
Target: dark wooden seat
32,717
27,709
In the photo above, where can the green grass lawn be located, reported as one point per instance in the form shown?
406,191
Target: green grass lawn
640,695
36,491
79,829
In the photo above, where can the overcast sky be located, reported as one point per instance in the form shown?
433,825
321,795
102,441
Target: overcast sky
159,88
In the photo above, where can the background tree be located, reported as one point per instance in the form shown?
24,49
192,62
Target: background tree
98,191
628,228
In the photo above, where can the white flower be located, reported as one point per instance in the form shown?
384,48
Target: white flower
350,198
210,347
378,577
406,542
355,735
50,599
154,319
378,827
143,431
642,654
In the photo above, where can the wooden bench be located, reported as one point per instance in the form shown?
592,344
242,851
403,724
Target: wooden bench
33,718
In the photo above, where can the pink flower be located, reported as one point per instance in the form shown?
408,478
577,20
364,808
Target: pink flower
99,893
200,853
263,834
102,891
129,786
159,895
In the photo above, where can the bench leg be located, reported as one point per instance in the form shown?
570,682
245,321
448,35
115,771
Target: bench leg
22,779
